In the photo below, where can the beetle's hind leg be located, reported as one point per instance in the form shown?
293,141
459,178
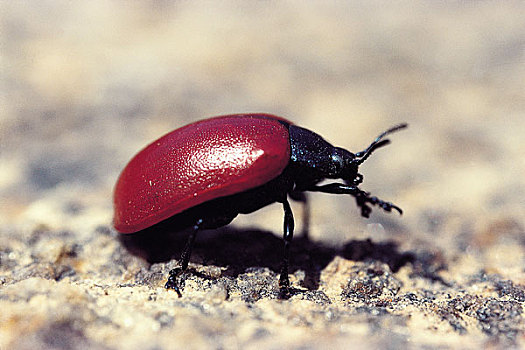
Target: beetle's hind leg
174,281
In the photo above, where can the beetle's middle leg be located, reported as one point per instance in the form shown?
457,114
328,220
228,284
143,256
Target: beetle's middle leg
288,227
302,197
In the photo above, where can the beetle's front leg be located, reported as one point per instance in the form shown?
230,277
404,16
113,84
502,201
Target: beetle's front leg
361,197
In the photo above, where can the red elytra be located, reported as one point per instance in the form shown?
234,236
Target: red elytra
199,162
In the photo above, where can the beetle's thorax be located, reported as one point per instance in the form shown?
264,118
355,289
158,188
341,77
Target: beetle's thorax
314,159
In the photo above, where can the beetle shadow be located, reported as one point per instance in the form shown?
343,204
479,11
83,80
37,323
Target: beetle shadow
239,249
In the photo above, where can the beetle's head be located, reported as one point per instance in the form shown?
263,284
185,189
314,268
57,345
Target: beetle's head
346,164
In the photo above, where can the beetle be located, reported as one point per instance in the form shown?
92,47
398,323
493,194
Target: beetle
204,174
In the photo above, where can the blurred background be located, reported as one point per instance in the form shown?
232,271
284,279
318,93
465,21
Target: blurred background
84,85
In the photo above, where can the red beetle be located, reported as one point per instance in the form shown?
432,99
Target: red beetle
206,173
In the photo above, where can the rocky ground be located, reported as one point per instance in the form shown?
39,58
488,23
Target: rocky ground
85,85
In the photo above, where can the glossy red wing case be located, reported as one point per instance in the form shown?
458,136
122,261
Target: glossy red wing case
199,162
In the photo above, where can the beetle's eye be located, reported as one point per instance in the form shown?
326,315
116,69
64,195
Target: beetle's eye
338,163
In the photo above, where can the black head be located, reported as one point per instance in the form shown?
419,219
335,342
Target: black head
317,159
349,163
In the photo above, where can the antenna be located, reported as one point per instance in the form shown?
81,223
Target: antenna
377,143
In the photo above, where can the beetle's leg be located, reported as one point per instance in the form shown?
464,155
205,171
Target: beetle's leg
284,282
175,273
361,197
302,197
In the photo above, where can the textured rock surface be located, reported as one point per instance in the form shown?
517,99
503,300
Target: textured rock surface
85,85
